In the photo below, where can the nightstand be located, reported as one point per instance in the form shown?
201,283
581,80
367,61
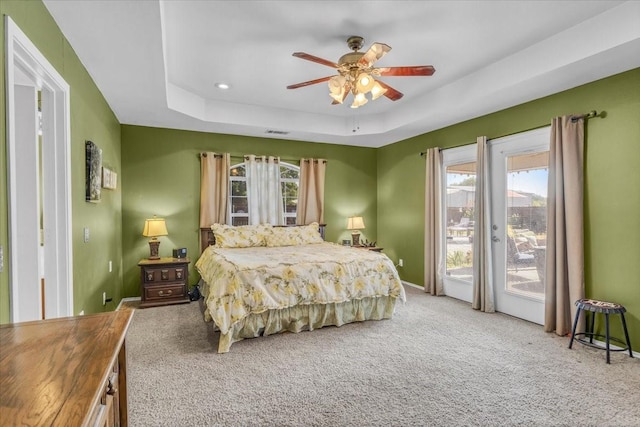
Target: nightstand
371,248
163,281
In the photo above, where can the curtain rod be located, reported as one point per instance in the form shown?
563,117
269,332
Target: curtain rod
591,114
243,156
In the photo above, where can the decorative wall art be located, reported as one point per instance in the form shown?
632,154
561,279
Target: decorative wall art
94,169
109,179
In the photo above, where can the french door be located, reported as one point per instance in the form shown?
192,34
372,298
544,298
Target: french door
519,170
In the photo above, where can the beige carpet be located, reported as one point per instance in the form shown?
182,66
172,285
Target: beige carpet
437,363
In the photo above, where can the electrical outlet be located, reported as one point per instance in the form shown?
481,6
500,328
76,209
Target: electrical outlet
86,234
401,262
104,298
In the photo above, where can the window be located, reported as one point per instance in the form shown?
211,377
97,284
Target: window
289,180
239,201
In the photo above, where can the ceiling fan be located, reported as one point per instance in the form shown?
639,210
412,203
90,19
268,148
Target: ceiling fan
356,73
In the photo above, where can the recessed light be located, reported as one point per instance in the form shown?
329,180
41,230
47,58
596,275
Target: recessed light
222,86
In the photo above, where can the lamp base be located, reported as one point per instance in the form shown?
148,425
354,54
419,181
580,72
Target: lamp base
154,245
355,239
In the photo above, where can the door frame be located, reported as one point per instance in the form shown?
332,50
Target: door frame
22,54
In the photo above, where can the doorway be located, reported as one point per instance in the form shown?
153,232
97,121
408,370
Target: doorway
39,185
518,166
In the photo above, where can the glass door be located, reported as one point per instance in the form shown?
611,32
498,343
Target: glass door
459,178
519,174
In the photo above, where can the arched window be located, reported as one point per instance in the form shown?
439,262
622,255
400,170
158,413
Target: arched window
239,200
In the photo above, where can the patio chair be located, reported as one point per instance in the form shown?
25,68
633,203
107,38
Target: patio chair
517,257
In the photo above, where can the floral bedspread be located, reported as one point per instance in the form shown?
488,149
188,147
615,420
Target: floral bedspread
243,281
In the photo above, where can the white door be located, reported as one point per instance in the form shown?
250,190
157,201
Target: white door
519,171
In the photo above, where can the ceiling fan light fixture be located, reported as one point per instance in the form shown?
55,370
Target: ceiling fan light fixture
337,97
359,100
364,83
336,85
337,88
356,74
377,91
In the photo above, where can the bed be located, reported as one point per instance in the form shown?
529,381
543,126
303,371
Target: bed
263,280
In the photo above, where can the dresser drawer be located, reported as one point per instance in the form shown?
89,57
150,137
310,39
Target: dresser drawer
164,274
168,291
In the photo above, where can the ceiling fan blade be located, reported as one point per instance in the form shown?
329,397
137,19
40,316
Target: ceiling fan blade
375,52
308,83
312,58
391,93
418,70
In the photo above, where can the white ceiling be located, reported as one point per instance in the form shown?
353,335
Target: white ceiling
156,62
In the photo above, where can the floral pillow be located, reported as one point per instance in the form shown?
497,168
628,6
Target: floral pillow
293,236
241,236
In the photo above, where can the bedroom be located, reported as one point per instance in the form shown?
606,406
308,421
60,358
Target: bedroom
159,176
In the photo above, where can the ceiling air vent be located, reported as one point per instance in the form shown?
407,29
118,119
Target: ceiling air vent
277,132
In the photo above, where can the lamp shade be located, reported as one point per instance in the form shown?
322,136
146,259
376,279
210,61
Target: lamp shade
377,91
154,227
355,223
359,100
364,83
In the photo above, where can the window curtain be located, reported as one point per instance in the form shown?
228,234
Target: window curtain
564,278
433,267
483,296
264,190
214,188
311,191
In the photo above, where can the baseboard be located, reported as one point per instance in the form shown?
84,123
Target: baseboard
127,299
413,285
612,347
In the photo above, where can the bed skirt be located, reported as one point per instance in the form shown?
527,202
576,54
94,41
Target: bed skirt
307,318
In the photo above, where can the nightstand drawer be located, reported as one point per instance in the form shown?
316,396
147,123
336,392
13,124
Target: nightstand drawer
164,274
169,291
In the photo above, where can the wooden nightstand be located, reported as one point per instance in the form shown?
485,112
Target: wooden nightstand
164,281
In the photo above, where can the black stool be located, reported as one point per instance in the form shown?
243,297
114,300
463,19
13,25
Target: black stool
607,308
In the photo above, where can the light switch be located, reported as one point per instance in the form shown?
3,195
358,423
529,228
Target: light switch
1,258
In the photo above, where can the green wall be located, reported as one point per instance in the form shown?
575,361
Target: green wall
161,176
612,185
91,119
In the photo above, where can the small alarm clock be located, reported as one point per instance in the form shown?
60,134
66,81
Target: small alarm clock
180,253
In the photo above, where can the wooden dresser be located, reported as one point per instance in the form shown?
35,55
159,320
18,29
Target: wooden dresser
65,372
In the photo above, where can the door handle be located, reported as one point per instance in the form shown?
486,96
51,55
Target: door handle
495,239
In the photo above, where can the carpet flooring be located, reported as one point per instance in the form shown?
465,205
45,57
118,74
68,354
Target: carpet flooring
436,363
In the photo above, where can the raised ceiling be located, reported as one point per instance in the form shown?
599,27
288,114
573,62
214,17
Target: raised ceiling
157,62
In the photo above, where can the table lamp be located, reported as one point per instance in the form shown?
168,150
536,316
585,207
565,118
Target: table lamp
355,223
153,228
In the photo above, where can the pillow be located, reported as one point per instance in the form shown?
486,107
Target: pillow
241,236
293,236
